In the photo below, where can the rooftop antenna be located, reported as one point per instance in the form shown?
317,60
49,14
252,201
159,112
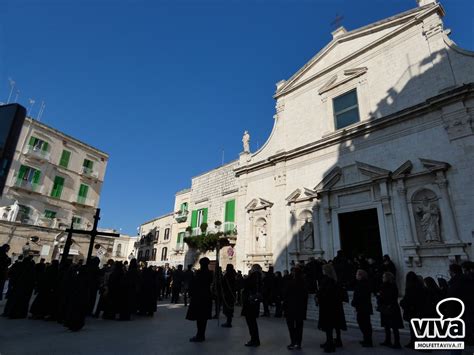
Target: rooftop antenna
32,102
17,94
223,154
12,85
41,110
336,23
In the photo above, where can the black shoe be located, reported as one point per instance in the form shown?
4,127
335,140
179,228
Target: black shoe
297,347
197,339
291,347
252,343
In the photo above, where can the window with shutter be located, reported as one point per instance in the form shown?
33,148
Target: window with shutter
65,156
57,187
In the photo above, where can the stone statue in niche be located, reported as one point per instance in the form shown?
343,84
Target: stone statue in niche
429,220
427,215
307,235
246,142
261,236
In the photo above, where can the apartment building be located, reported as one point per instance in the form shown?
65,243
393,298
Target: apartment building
154,244
54,179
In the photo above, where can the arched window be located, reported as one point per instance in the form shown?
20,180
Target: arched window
153,254
164,253
147,254
118,252
140,254
167,234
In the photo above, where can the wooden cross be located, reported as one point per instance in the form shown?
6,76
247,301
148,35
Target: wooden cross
337,21
92,233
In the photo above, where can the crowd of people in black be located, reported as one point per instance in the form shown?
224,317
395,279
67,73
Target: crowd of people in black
358,281
67,293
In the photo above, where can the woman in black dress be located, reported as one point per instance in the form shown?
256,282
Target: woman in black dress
390,315
251,298
200,307
330,297
295,302
362,302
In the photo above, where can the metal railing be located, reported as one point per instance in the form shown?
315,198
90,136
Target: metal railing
37,152
29,185
89,172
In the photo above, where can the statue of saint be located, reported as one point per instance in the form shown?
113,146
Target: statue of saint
246,142
307,235
429,221
261,237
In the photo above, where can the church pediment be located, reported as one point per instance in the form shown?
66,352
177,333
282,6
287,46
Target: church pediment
434,165
330,179
349,74
258,204
403,170
348,45
374,172
300,195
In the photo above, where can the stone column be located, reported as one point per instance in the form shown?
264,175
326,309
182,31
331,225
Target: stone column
316,229
402,193
447,215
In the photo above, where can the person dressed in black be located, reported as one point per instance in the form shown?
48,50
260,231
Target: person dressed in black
268,291
251,298
177,284
20,294
295,302
200,307
77,303
228,294
93,275
148,296
187,277
279,293
5,262
388,265
434,295
43,304
413,303
114,291
330,297
390,315
362,302
129,294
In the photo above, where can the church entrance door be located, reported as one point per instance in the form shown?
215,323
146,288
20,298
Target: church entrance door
360,233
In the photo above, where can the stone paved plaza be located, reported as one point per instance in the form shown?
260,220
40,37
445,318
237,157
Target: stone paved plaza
166,333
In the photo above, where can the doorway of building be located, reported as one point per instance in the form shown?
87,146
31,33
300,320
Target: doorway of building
360,234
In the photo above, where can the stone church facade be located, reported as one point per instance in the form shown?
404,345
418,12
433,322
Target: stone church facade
371,152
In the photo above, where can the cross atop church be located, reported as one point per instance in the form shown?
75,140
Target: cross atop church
92,233
336,23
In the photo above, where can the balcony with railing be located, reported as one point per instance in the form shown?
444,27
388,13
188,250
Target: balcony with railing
89,172
83,201
230,227
29,185
181,216
196,231
37,153
47,222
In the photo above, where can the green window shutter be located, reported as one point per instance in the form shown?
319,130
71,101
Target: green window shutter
204,215
88,163
45,146
36,176
65,156
230,211
21,172
49,214
32,141
194,217
83,190
57,187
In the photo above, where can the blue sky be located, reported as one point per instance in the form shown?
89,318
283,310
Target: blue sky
166,86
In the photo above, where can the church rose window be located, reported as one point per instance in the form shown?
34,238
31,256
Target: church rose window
346,109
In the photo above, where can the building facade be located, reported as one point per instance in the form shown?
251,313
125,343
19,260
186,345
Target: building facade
154,244
371,152
180,223
124,248
54,180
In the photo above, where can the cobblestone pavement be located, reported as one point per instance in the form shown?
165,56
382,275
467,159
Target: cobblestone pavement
167,333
